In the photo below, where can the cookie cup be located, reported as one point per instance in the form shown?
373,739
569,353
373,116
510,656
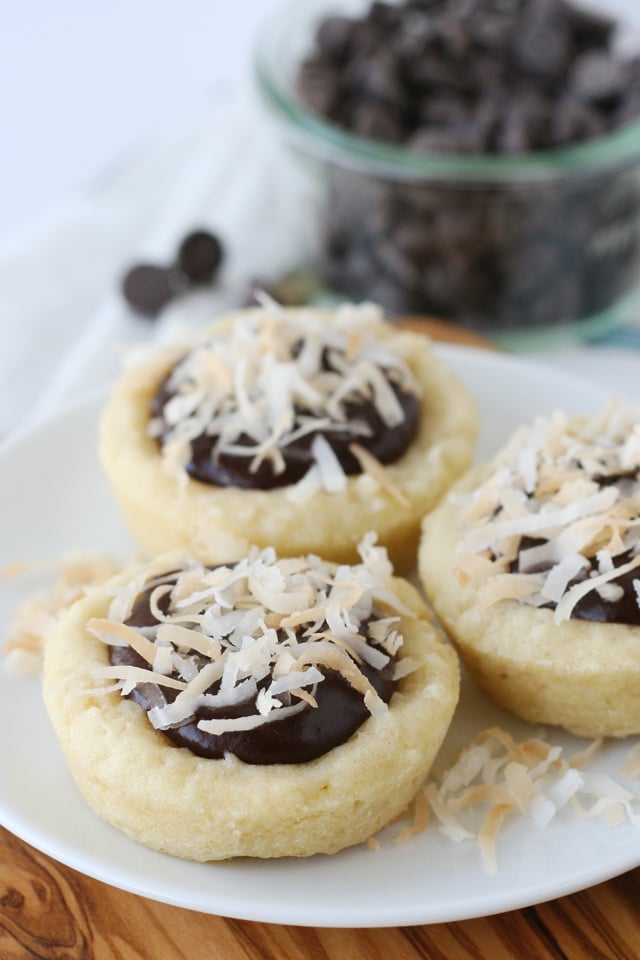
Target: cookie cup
167,798
579,675
218,524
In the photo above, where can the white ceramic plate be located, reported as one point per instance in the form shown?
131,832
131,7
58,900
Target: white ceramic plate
55,500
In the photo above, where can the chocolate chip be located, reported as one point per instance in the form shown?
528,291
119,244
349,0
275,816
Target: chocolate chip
597,77
376,121
542,42
147,289
318,86
434,140
333,37
476,77
400,57
386,14
574,121
199,257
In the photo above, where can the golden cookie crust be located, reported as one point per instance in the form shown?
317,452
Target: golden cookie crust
579,675
167,798
218,524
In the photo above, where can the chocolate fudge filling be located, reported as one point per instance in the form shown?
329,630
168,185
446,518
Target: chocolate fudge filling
593,607
222,469
308,734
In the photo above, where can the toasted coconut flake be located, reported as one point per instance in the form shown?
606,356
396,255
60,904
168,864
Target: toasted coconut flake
495,778
372,466
224,725
133,675
228,635
582,757
488,833
108,631
568,483
332,476
420,822
580,590
33,620
507,586
405,667
561,575
304,695
309,484
266,381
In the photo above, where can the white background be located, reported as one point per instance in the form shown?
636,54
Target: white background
84,82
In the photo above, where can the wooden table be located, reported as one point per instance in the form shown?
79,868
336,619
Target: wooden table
50,912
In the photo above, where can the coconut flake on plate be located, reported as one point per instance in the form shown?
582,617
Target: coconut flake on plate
495,779
33,620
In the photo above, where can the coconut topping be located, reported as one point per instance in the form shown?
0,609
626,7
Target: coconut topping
34,619
495,779
234,649
557,523
282,397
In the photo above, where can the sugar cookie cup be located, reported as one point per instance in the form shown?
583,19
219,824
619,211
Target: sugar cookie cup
218,523
167,798
578,674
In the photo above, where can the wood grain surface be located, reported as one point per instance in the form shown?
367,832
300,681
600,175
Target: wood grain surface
50,912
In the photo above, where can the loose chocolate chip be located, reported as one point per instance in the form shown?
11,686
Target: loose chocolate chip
199,257
148,289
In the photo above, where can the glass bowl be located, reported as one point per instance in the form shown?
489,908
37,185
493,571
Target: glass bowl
525,250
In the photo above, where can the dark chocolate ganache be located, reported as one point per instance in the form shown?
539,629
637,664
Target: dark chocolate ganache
592,606
224,469
294,739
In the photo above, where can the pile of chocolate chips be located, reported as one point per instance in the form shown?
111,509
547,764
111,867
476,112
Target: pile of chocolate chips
148,287
477,77
471,76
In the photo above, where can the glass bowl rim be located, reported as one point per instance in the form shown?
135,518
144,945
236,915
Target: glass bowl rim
326,141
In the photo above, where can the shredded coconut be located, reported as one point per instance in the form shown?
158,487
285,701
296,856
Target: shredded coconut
275,378
261,630
495,779
33,620
573,486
